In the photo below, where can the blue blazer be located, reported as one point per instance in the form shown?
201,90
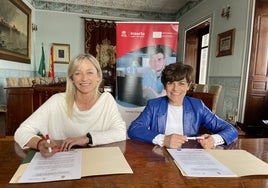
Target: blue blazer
152,121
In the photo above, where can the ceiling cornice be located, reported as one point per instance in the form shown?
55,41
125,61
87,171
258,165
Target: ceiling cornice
110,13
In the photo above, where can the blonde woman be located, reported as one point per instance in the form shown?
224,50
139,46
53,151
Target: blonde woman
80,116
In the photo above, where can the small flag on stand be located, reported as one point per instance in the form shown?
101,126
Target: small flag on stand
42,65
51,64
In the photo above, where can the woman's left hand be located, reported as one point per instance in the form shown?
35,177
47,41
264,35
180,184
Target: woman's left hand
207,142
68,143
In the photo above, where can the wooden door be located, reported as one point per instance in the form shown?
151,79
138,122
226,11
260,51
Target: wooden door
193,47
191,50
257,92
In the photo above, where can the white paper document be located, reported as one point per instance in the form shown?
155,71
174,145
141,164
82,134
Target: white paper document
61,166
72,165
199,163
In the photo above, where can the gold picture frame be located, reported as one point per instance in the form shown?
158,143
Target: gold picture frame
61,53
226,43
15,27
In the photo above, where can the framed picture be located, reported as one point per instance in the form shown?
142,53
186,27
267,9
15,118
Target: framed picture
226,43
15,31
61,53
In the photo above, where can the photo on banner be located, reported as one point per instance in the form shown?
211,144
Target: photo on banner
143,49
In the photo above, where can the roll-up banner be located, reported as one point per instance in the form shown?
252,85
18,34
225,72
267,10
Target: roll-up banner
143,49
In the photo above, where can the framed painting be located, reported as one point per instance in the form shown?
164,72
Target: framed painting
226,43
61,53
15,31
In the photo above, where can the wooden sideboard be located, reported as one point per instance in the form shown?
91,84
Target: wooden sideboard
23,101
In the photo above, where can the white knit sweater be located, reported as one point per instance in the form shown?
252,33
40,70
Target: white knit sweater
103,121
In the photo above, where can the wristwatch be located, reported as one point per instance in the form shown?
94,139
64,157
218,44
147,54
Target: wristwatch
89,138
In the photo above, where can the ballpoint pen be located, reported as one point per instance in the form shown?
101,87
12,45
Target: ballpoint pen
48,141
195,138
192,138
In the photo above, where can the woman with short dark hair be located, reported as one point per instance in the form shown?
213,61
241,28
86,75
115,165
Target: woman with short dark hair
170,120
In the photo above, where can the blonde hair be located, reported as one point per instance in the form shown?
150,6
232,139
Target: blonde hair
70,87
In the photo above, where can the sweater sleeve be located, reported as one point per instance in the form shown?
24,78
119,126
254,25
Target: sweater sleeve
114,128
36,123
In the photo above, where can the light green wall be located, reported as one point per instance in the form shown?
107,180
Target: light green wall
227,65
63,28
223,69
53,27
67,28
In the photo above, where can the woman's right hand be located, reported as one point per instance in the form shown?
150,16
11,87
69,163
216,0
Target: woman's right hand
174,140
47,149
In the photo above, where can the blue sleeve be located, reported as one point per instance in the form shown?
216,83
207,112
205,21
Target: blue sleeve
219,126
144,127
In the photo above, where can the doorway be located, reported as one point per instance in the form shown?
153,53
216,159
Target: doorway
196,50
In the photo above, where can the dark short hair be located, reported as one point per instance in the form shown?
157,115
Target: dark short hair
159,49
176,72
156,50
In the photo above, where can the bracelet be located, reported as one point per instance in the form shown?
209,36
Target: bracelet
38,143
89,139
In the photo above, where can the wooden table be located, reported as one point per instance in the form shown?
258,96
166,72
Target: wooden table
152,167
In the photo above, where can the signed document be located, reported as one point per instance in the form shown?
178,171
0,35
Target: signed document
61,166
199,163
72,164
218,163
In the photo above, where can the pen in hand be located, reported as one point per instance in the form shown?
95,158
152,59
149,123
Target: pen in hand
192,138
195,138
48,141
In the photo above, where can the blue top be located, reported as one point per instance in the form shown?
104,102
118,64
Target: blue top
151,80
152,121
